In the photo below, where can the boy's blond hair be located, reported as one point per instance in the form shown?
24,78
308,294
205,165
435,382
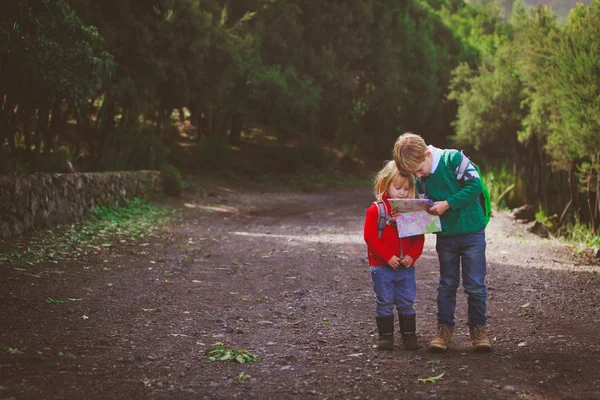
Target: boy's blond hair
388,174
409,152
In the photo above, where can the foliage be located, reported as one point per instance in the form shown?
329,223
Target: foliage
102,79
500,181
51,63
135,220
534,98
431,379
580,233
171,180
218,352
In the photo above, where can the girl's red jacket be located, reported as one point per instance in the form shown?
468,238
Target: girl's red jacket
381,250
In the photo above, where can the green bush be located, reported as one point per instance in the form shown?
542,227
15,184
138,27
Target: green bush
171,177
500,179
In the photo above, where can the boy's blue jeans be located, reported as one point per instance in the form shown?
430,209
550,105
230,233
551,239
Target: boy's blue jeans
470,249
394,287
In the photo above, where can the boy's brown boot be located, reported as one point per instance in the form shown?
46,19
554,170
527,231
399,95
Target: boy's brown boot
442,341
385,326
479,338
408,328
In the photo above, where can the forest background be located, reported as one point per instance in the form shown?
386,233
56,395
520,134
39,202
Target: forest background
307,88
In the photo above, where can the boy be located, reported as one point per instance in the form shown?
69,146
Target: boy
462,237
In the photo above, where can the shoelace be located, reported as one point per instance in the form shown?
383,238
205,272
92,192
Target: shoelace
443,332
478,332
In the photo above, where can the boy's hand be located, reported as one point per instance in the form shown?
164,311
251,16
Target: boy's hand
407,261
438,208
394,262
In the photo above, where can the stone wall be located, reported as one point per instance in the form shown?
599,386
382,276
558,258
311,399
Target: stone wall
46,200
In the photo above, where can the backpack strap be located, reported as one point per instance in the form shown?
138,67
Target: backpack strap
421,189
383,220
462,172
382,217
462,168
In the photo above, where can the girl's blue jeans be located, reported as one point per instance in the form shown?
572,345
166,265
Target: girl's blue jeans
394,287
470,251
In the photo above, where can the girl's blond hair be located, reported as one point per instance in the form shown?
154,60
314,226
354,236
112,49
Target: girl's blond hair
388,174
409,152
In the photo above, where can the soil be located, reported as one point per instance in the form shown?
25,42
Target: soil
284,275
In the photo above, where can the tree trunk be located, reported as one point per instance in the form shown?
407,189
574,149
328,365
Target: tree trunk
591,201
572,193
108,126
596,209
4,122
42,126
53,128
237,121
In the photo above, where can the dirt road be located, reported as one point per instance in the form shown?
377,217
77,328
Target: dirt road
284,275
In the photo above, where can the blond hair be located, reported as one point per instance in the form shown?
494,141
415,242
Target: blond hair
409,152
388,174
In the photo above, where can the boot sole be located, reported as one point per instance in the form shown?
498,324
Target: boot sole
437,349
482,349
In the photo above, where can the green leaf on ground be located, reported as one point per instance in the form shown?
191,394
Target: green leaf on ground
431,379
14,350
241,377
434,361
218,352
50,300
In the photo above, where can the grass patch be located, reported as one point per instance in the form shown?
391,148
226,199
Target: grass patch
106,227
580,234
505,193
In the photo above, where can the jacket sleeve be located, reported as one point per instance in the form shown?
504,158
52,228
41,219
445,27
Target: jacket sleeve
470,189
374,243
416,247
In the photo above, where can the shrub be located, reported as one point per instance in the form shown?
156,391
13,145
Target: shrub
171,180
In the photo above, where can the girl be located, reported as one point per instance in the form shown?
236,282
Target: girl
392,260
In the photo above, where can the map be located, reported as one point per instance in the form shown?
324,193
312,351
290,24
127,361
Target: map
413,219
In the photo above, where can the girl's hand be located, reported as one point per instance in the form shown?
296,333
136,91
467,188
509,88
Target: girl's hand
438,208
395,214
407,261
394,262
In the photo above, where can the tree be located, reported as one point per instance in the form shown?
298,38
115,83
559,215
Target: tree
51,63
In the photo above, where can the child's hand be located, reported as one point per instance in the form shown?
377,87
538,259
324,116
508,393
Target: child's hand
407,261
438,208
394,262
395,214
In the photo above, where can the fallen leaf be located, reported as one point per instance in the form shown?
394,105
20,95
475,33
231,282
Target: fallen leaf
431,379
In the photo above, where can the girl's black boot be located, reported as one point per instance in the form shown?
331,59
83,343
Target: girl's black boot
408,328
385,326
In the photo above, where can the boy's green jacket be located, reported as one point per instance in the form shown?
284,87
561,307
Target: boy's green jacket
465,215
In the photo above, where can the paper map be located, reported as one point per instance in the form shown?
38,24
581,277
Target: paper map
413,219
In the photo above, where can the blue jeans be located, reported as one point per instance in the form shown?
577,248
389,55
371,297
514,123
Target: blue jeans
394,287
470,250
